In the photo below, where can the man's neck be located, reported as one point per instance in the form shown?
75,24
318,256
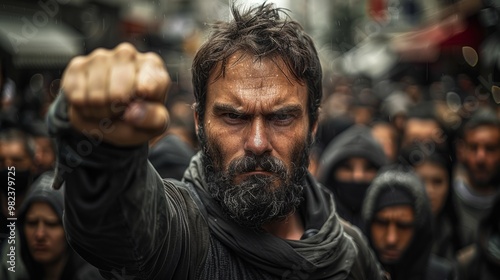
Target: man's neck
291,228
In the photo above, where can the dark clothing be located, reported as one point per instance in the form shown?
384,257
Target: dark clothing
170,156
123,218
471,208
484,261
75,268
353,142
416,262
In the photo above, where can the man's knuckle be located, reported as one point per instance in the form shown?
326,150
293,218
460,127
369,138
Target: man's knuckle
153,58
125,52
77,63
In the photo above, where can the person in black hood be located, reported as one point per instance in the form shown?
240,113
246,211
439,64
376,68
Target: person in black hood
347,167
44,249
398,224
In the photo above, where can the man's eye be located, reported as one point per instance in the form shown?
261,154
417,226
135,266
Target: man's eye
282,119
233,118
405,226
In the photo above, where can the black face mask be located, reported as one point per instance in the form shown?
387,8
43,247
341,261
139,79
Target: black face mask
351,194
22,179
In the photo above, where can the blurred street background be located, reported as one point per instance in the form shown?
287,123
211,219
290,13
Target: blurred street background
380,57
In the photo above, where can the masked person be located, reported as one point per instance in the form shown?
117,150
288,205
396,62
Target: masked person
348,166
398,224
246,201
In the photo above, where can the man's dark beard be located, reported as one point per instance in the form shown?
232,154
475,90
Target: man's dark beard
258,199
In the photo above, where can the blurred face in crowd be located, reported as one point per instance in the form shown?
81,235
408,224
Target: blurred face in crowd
256,137
392,230
386,135
44,234
480,154
422,130
44,154
355,169
13,153
15,162
436,183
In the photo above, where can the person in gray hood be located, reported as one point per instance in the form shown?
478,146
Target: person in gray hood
44,249
398,223
348,166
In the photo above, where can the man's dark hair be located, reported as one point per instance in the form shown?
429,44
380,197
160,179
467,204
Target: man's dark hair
483,116
262,32
16,135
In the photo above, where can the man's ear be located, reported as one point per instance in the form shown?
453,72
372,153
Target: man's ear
314,129
195,121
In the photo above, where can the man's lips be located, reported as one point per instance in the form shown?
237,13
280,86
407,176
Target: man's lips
390,254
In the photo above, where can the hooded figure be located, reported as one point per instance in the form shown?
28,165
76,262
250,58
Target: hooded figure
355,142
46,245
413,261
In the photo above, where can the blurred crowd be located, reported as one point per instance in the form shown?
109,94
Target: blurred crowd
411,153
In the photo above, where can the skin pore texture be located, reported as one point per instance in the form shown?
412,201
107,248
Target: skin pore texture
256,136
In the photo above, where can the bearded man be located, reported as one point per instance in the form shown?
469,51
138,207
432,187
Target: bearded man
246,208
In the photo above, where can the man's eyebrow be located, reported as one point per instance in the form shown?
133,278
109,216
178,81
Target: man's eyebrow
219,108
225,108
288,109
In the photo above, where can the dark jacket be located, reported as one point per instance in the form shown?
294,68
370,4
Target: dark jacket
353,142
123,218
483,262
76,268
417,262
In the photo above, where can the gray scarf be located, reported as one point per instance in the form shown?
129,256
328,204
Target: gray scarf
329,254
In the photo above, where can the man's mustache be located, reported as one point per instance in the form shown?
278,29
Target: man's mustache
253,163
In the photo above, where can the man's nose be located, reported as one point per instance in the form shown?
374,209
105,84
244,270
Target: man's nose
257,141
392,235
358,174
480,154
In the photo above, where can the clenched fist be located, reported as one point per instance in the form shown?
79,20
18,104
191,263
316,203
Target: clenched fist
121,87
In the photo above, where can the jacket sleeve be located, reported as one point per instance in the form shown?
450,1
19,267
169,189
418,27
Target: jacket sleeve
120,215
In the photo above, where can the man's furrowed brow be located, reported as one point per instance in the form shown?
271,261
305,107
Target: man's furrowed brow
220,108
289,109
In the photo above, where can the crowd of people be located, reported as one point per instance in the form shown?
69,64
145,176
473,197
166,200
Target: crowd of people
392,180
